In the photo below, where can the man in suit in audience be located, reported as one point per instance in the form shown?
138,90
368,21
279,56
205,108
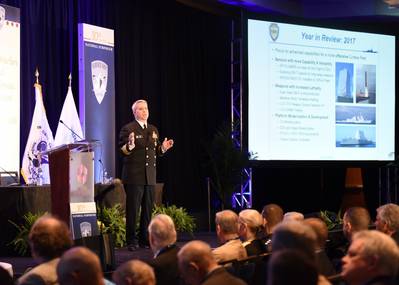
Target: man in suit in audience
387,220
162,237
134,272
322,261
355,219
197,265
227,232
48,239
372,259
79,266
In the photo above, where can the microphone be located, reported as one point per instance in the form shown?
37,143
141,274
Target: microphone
16,182
101,195
72,131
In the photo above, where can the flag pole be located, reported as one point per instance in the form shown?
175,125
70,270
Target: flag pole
37,76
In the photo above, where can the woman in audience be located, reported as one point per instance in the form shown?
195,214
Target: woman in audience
251,224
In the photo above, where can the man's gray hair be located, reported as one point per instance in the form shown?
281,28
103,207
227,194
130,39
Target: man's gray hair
134,106
382,247
228,221
389,214
162,229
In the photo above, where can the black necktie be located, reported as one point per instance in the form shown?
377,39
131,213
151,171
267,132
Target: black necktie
144,126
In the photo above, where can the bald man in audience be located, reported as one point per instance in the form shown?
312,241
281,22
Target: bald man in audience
387,220
48,239
323,263
134,272
197,265
250,225
227,232
372,259
162,237
79,266
355,219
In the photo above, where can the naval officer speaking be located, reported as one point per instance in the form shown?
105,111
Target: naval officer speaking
139,144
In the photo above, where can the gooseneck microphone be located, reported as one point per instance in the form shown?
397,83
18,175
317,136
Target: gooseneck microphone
72,131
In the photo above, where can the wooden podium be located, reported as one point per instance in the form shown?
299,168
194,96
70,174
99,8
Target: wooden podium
64,176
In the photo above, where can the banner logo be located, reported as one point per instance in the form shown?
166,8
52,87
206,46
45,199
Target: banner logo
274,31
99,77
2,16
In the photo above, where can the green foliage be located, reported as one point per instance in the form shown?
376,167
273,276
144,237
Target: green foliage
21,240
331,219
114,223
183,221
224,163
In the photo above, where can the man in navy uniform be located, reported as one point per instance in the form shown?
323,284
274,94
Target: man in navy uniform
139,144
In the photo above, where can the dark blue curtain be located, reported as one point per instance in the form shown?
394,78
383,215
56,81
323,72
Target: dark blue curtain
174,56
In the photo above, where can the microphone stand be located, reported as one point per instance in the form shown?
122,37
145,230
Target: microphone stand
72,131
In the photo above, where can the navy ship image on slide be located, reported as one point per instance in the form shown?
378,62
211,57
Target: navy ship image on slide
358,119
359,140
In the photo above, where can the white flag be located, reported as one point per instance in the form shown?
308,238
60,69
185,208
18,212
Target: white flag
70,118
35,166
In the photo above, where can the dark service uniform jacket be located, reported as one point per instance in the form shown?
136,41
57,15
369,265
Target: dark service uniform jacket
139,166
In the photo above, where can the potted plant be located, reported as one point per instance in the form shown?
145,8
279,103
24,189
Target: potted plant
224,163
184,223
21,240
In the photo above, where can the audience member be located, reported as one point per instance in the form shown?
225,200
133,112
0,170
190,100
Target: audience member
295,235
355,219
291,266
250,225
134,272
293,216
272,215
162,237
79,266
323,263
48,239
298,236
372,258
387,220
227,233
197,265
5,277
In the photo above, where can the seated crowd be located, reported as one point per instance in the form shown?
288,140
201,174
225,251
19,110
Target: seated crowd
255,248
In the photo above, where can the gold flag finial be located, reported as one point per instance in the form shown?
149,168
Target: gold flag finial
70,79
37,76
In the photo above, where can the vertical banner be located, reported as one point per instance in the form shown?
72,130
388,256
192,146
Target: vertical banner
9,88
97,94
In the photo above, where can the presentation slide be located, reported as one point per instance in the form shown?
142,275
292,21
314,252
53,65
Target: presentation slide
320,94
9,88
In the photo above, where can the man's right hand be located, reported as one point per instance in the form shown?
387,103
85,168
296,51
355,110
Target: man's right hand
130,143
